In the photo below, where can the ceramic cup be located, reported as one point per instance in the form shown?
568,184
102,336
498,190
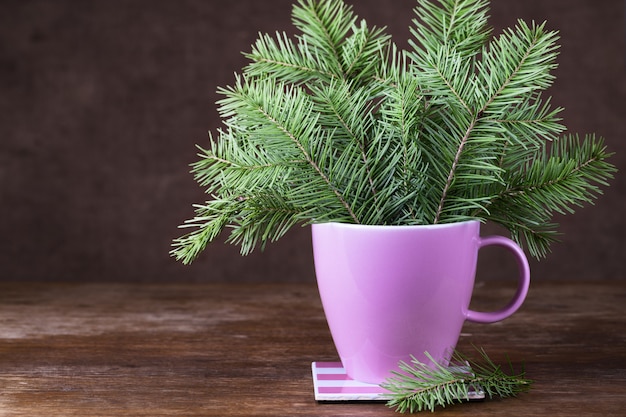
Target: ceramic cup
390,292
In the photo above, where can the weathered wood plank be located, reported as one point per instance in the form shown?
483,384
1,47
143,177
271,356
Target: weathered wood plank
245,350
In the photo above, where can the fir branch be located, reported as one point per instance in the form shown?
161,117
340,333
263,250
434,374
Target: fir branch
277,111
463,158
516,65
324,26
402,114
564,176
281,58
298,142
264,218
362,53
419,386
348,110
459,25
447,77
452,172
528,125
210,220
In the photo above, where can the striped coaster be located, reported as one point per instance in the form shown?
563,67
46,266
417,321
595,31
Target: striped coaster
331,383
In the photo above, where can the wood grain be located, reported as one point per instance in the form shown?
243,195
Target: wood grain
246,350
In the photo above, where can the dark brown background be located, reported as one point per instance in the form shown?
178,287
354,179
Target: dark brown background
102,103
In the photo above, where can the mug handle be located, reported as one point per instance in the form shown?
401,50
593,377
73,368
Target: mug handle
523,282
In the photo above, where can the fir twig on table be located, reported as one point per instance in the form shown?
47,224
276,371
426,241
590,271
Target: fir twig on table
419,386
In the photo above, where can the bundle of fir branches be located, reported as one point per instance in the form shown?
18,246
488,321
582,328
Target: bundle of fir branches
338,124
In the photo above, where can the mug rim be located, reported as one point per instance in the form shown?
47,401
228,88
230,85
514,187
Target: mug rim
395,226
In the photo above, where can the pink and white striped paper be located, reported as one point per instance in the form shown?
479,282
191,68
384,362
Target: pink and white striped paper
331,383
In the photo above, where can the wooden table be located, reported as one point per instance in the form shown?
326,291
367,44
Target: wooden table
246,350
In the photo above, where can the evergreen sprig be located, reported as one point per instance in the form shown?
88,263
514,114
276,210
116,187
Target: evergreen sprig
418,386
338,124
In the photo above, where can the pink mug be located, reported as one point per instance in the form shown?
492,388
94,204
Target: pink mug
390,292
